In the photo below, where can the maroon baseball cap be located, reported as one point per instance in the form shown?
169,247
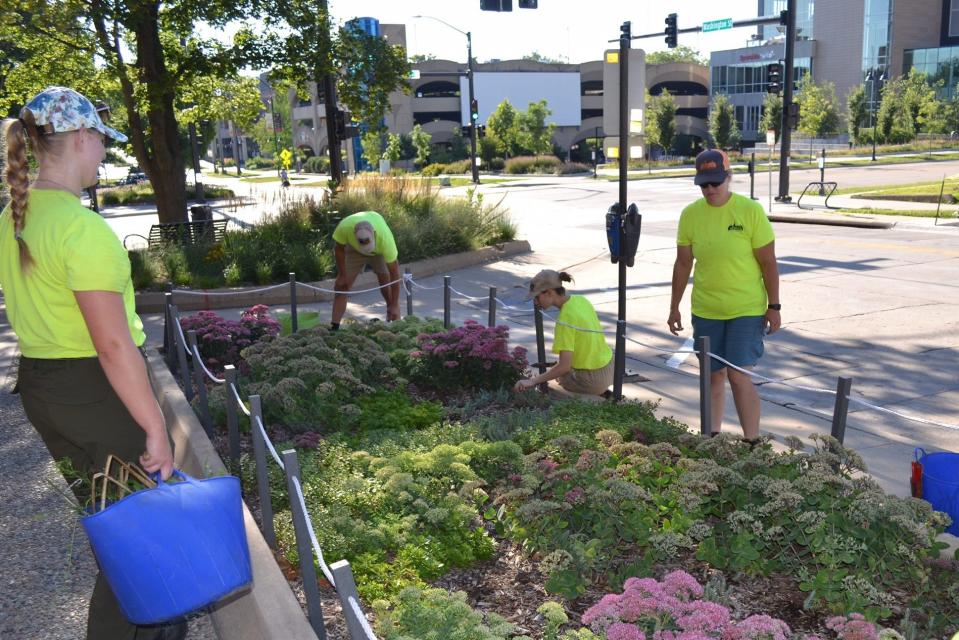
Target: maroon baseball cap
712,165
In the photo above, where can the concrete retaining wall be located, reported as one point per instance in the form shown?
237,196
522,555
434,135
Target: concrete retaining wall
269,610
153,301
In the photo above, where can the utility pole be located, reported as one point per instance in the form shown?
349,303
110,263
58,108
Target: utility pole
785,137
328,80
619,366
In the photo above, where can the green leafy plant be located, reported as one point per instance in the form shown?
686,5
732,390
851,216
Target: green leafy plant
435,614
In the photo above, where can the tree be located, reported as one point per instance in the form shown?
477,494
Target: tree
487,148
393,147
361,69
421,142
503,125
818,109
275,122
772,114
151,54
458,146
421,57
857,112
535,135
723,128
661,120
372,144
536,56
681,53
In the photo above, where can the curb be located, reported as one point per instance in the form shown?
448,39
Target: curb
837,221
155,301
269,609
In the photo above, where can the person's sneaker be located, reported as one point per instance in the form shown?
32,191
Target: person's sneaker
608,394
753,442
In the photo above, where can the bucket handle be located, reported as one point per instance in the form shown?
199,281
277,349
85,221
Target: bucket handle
916,453
176,472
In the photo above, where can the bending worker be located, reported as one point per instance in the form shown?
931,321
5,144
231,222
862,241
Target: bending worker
365,239
585,360
735,286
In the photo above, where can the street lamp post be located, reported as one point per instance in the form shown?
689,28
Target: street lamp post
874,77
276,139
472,95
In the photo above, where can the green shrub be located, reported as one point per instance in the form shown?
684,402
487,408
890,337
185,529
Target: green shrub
436,613
573,167
141,269
143,193
496,164
395,410
317,164
433,170
459,166
397,338
532,164
261,162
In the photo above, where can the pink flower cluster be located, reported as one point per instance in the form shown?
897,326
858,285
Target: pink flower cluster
220,340
469,355
671,610
853,627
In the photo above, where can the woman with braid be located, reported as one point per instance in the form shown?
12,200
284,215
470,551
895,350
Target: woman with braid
69,298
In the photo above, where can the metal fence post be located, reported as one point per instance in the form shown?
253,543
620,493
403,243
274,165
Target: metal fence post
409,292
182,366
540,344
841,410
304,546
492,307
262,473
346,589
446,302
705,387
232,415
168,350
198,380
293,323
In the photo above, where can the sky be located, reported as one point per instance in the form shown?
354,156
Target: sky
576,31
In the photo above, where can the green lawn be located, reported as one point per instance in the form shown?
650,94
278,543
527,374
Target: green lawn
465,182
946,212
919,188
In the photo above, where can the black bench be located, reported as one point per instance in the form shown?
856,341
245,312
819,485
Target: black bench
196,232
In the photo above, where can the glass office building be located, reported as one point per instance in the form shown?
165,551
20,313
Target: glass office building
940,65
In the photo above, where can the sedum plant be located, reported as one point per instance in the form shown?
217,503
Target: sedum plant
470,356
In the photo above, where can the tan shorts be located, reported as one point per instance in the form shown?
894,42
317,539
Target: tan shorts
355,261
591,382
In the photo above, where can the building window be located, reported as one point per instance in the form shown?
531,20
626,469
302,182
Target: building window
591,88
586,114
438,89
954,19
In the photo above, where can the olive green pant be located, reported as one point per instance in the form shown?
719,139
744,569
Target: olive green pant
78,415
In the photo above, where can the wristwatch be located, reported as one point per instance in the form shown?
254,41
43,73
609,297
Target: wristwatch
776,307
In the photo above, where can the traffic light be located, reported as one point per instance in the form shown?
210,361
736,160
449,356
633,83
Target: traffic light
339,123
774,77
793,115
498,5
784,17
474,110
528,4
671,31
626,30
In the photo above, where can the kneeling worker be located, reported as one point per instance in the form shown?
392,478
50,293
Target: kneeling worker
365,239
585,360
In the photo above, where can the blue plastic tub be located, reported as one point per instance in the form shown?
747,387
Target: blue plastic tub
940,483
172,549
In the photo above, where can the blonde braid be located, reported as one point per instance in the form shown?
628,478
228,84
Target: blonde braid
18,178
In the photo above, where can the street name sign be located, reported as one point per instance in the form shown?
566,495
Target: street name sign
718,25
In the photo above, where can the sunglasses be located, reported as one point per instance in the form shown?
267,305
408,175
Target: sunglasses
713,185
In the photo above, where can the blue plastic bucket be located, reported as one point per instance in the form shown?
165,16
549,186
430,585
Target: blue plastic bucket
172,549
940,483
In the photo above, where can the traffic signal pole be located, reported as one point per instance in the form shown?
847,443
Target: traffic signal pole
619,366
473,120
785,137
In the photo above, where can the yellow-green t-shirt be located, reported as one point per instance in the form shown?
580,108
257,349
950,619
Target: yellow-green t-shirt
73,249
382,236
727,280
590,350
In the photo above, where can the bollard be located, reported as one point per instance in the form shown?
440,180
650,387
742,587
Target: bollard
346,590
262,473
752,176
822,172
841,410
198,380
446,301
540,344
168,338
492,307
182,366
293,323
619,360
409,293
705,387
304,545
232,416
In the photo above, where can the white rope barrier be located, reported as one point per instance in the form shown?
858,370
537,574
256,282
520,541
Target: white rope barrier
269,444
350,293
239,400
361,618
191,292
655,348
422,286
209,374
460,293
309,528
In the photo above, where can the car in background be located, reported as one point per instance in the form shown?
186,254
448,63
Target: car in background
134,176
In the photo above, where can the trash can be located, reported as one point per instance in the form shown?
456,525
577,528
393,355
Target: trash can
201,213
940,483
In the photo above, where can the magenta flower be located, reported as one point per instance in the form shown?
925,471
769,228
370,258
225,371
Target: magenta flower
623,631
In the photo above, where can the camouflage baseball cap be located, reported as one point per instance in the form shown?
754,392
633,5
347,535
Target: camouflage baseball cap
59,109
